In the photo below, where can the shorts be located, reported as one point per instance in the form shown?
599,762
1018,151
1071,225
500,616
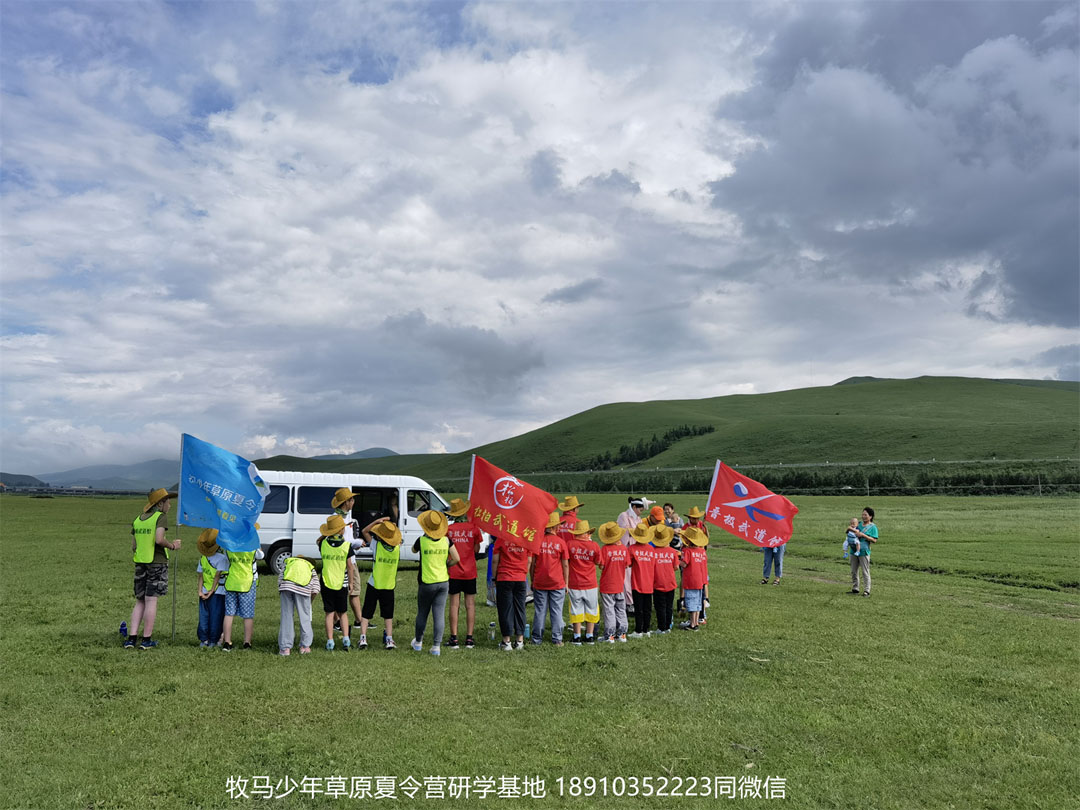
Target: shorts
151,579
354,587
584,605
694,600
465,586
335,601
241,604
383,597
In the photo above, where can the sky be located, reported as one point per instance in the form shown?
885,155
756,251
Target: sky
314,227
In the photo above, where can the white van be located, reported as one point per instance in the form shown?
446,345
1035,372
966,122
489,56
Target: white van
299,503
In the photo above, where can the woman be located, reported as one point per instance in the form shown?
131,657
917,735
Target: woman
867,533
433,578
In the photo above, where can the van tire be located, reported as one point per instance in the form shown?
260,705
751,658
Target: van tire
275,560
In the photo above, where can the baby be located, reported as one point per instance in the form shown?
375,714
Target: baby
851,542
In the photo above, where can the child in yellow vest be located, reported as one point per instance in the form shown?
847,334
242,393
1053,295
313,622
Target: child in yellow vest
297,586
381,583
337,559
213,564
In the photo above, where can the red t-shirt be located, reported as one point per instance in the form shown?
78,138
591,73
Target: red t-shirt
583,557
569,521
613,560
696,569
550,552
667,561
466,538
642,567
513,560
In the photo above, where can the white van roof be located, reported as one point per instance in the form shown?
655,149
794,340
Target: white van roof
342,479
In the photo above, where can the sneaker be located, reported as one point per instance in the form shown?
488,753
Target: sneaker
537,642
702,620
489,603
609,640
149,643
305,650
129,643
590,639
436,651
453,643
470,642
866,593
557,643
389,643
519,645
363,642
775,582
684,625
576,641
416,645
637,635
204,643
622,638
247,645
854,592
226,646
346,643
329,645
284,652
506,646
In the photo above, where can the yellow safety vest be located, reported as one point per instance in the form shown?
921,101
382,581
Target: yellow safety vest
241,574
433,559
145,538
333,566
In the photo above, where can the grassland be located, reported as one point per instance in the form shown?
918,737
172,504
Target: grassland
953,686
941,418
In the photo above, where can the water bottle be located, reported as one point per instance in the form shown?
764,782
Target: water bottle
526,630
123,629
491,631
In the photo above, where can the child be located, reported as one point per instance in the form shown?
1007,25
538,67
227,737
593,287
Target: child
467,538
667,563
297,586
614,557
510,566
695,572
241,583
584,593
851,541
642,571
342,503
548,571
337,556
432,588
150,553
212,565
382,582
695,518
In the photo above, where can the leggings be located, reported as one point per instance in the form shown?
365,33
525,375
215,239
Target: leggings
431,598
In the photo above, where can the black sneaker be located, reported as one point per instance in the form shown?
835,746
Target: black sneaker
470,642
590,639
453,643
247,645
576,641
226,646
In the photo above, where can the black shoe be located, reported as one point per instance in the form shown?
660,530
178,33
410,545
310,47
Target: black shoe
247,645
590,639
226,646
453,643
470,642
576,641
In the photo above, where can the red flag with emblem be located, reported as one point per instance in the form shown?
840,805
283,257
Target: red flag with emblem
747,509
505,506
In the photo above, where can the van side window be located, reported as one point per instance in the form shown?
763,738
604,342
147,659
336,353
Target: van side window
315,500
277,502
420,500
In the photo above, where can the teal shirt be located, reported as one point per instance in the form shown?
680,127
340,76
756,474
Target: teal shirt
864,545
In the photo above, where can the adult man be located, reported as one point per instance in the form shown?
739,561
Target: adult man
466,537
151,556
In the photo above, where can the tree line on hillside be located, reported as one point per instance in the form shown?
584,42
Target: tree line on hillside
629,454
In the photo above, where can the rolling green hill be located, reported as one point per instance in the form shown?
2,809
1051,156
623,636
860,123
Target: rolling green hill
863,419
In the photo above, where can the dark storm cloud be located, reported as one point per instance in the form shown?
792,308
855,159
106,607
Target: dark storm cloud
955,143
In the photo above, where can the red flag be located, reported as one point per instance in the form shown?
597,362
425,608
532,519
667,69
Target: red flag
504,506
746,509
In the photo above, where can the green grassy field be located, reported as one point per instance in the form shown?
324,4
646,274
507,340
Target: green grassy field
953,686
944,418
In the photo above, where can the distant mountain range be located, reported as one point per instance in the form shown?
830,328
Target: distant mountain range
371,452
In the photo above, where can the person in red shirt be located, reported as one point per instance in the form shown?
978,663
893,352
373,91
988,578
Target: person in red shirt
664,582
467,538
614,557
584,601
509,566
548,572
569,509
642,569
695,573
694,520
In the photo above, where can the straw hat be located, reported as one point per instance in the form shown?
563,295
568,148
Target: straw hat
341,496
553,520
571,502
642,533
662,535
580,528
335,525
434,524
458,507
695,537
388,532
155,497
207,542
695,513
610,532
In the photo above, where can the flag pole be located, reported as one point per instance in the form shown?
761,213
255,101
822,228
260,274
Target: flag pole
179,515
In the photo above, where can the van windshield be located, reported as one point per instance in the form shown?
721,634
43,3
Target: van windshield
420,500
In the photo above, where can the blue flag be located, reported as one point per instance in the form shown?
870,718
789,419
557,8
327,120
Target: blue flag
219,490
